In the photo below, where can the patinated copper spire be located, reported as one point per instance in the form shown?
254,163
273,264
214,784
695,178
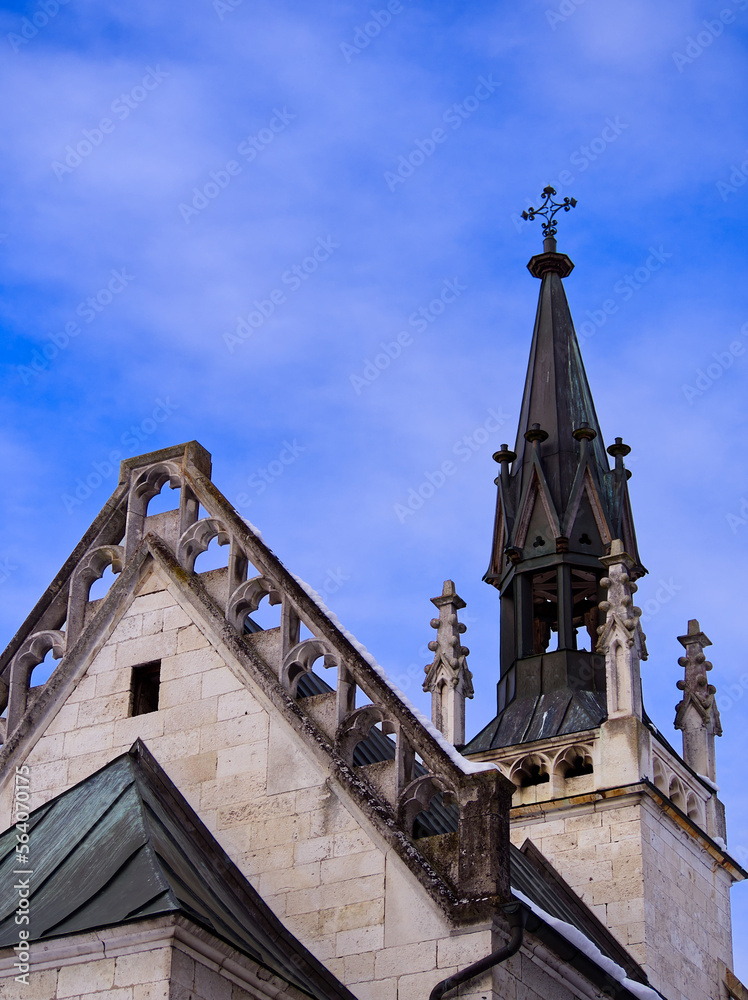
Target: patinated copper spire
559,507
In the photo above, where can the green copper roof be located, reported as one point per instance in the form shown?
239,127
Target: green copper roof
123,845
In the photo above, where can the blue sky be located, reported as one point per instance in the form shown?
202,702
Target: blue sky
237,222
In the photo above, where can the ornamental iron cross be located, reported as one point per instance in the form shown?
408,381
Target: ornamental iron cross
548,211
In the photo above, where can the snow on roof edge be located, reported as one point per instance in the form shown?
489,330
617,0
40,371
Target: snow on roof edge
588,948
465,765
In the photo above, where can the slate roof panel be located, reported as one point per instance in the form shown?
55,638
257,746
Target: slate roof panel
124,844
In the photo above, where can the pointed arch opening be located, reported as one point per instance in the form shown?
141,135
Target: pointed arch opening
102,585
215,556
166,500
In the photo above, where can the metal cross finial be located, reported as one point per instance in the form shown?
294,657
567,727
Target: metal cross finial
548,210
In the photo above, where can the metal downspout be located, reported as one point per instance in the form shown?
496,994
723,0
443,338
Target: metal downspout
516,915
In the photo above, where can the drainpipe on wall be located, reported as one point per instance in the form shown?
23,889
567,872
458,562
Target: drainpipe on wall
516,915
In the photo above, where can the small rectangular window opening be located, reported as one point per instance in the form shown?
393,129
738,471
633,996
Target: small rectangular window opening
144,687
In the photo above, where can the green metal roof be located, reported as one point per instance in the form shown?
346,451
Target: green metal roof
124,845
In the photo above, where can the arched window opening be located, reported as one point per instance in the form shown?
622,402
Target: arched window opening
585,611
533,770
575,763
676,795
379,746
214,557
41,673
100,588
660,778
545,612
167,499
265,616
693,810
439,818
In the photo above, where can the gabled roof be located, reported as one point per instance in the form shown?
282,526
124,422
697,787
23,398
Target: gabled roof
167,545
124,845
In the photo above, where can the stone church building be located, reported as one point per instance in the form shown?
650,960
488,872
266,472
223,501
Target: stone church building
200,808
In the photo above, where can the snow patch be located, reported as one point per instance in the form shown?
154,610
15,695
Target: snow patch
465,765
580,941
252,528
709,782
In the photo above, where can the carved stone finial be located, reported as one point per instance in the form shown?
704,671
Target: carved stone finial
448,678
621,638
697,714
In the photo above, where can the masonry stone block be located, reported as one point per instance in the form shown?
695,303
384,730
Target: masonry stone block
102,710
129,627
361,939
352,866
151,991
65,720
210,985
291,765
358,968
175,617
145,966
409,958
462,950
87,977
345,918
89,740
378,990
146,648
410,918
150,602
191,638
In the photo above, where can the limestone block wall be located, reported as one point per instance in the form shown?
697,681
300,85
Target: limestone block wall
144,975
649,881
258,789
269,801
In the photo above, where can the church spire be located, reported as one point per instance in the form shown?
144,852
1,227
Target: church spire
559,508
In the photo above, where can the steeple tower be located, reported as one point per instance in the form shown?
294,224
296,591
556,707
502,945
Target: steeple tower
559,507
630,824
